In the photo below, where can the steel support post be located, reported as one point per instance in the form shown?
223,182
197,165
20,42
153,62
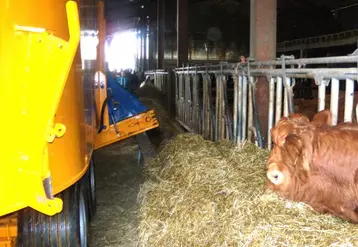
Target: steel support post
182,32
263,48
160,33
142,42
150,44
145,33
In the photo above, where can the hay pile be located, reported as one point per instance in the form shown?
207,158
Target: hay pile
198,193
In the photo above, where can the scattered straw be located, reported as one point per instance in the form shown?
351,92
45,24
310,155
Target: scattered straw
198,193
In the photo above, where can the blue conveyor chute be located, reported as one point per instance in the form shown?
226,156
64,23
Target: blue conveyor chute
122,104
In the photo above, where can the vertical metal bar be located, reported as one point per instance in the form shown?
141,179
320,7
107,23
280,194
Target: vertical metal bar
145,33
185,95
181,97
187,100
240,110
244,108
286,101
176,88
271,112
334,100
201,104
171,93
182,31
348,103
161,33
217,108
278,99
151,43
223,107
142,44
250,110
206,107
159,80
178,101
164,86
159,83
160,77
191,105
165,80
169,81
236,92
211,126
321,96
196,103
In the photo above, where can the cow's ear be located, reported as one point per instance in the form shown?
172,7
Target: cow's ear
275,135
322,118
280,131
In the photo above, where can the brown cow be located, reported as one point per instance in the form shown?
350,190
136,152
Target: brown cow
315,163
297,122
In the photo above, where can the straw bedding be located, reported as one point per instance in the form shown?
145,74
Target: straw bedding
199,193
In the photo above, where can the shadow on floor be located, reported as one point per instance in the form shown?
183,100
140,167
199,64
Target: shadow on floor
118,182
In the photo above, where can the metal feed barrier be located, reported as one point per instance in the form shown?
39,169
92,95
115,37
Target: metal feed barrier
216,100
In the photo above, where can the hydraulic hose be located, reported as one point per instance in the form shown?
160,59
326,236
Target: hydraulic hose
105,102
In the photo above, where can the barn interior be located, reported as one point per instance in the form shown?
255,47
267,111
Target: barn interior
174,199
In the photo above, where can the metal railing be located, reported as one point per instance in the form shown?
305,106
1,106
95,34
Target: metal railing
216,100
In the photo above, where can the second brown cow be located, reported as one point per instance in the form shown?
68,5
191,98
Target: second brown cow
316,163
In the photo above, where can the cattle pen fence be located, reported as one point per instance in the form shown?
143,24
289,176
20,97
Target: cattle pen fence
216,100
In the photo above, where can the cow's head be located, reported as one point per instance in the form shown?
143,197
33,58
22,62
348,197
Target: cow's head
288,163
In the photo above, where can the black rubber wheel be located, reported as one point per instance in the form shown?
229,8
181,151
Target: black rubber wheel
83,219
65,229
92,198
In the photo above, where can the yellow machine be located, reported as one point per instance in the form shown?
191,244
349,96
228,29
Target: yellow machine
47,180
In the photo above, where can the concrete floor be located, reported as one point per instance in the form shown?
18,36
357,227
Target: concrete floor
118,182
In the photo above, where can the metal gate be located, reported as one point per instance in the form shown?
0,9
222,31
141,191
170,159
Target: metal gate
216,100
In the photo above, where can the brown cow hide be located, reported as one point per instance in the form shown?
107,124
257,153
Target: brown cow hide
316,164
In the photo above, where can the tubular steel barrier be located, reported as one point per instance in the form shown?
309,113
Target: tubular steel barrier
216,100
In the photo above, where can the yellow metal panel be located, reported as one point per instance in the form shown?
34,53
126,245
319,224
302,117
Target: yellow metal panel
67,155
39,79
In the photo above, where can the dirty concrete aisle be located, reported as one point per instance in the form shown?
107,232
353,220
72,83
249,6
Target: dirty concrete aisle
118,182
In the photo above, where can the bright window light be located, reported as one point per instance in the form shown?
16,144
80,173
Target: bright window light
121,52
89,42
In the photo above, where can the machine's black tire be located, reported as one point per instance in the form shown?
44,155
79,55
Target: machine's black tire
92,198
69,228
